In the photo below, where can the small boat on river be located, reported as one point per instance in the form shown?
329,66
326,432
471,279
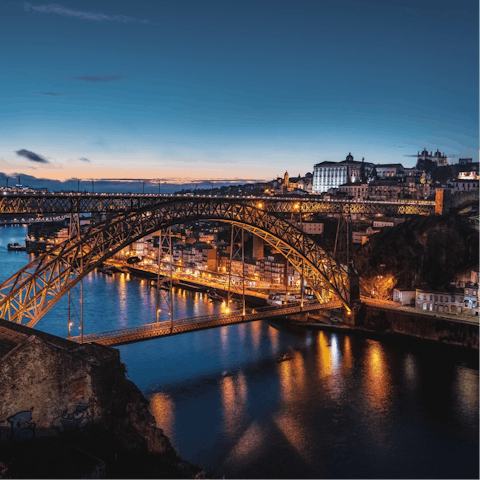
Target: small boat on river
284,357
214,296
16,247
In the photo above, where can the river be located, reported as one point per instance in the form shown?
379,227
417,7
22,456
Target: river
343,406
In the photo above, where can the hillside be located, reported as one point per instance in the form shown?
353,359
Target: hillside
421,252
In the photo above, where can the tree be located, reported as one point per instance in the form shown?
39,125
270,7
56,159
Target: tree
373,174
379,287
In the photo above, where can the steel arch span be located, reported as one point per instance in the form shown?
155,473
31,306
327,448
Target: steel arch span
37,287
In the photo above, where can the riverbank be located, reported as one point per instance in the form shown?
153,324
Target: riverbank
386,322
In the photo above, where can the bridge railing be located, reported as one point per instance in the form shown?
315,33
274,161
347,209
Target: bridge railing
235,316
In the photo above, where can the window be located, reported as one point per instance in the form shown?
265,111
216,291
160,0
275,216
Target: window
466,291
436,298
441,298
431,298
453,298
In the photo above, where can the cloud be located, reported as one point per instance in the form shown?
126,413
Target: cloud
32,156
68,12
203,160
83,159
95,78
399,146
57,94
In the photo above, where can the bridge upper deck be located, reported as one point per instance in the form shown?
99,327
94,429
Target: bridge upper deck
66,203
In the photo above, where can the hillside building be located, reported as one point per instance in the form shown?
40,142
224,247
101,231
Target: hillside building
328,175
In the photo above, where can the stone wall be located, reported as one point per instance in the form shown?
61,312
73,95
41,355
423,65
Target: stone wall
55,389
416,325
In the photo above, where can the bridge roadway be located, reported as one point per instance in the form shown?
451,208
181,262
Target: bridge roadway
183,325
67,203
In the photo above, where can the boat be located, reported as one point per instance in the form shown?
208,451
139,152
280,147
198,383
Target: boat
105,270
16,247
284,357
213,295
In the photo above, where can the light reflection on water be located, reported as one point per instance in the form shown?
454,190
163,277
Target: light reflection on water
342,406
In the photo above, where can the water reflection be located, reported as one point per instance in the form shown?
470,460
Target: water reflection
377,377
256,333
122,291
273,334
297,436
324,361
332,369
163,409
347,359
248,447
410,369
466,392
233,392
292,376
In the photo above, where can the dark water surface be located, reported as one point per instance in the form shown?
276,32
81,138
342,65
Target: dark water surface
343,406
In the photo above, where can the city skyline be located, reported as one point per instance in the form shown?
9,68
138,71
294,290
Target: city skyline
181,90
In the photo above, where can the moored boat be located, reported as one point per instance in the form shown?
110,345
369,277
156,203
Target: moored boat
16,247
213,295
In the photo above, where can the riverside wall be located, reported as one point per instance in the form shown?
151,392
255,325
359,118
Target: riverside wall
428,327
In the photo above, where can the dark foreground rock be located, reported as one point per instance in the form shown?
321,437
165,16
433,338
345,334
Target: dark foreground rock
67,410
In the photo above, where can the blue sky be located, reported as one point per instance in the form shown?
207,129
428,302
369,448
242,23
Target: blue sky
233,89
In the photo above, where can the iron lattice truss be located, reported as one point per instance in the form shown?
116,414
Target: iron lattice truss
35,289
59,203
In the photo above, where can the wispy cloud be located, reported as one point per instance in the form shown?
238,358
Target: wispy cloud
96,78
68,12
202,160
83,159
32,156
56,94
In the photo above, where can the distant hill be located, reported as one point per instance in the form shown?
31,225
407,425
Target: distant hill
423,251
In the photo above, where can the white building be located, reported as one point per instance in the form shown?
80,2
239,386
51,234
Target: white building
404,297
328,175
465,185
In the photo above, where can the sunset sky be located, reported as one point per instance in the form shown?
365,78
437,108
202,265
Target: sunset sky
183,89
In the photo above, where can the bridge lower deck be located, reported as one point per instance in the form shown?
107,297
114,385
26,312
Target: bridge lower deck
183,325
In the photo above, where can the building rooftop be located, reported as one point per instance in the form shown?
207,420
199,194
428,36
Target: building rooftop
389,165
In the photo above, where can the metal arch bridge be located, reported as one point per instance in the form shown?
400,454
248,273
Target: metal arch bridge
36,288
68,203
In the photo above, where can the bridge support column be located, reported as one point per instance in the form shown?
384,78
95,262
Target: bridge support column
258,244
353,299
